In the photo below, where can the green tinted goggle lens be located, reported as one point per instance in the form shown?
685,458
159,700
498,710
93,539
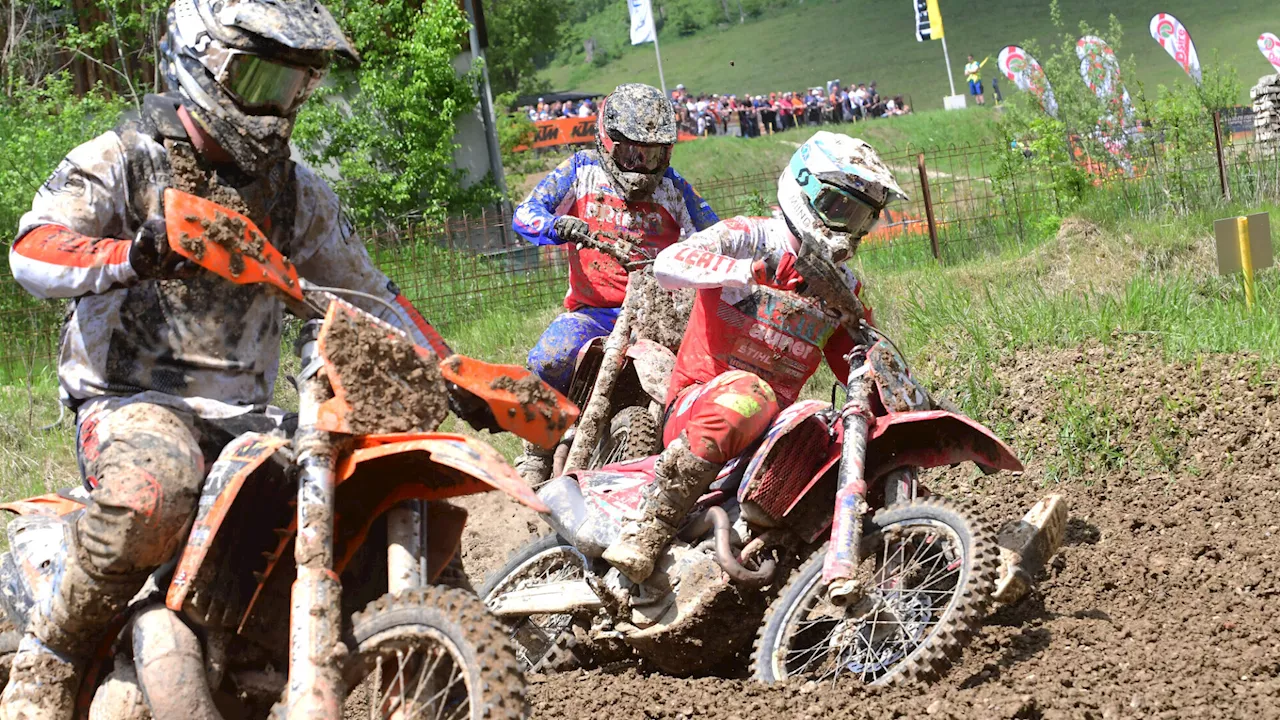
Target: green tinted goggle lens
260,84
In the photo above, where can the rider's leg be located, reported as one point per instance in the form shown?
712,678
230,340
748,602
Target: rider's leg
1026,546
144,466
553,359
710,425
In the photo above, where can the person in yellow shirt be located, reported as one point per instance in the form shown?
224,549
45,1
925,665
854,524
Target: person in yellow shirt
973,73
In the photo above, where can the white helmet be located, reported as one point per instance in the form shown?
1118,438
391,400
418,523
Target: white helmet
833,191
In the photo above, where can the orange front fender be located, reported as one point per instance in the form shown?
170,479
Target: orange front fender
479,467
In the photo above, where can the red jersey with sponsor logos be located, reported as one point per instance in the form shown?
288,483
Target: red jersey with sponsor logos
580,187
738,325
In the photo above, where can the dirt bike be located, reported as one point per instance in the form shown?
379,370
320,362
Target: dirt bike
619,380
890,596
308,568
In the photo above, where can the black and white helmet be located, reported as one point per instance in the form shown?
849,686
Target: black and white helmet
244,67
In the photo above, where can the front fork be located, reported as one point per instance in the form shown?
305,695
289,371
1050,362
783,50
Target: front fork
841,562
315,639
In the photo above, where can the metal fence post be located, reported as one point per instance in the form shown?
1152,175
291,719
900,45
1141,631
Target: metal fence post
1217,146
928,206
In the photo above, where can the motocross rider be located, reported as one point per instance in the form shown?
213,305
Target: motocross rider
754,338
624,186
163,364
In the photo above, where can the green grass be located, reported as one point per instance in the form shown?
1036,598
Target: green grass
864,40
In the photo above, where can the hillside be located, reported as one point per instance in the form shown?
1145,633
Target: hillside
863,40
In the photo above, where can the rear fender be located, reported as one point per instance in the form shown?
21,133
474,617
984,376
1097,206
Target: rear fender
653,363
237,461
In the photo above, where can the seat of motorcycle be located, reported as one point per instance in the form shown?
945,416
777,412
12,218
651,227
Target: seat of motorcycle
726,482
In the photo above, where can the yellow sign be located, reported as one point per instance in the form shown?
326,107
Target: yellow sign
935,21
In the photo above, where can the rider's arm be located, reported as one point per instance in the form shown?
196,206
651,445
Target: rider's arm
701,216
73,241
329,253
719,256
535,217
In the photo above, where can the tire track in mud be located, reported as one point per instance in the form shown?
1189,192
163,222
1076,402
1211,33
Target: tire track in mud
1163,601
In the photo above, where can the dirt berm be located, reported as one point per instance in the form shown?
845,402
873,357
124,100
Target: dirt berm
1162,604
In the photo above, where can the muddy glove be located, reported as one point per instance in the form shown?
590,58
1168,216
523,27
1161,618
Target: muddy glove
777,273
569,228
471,409
150,255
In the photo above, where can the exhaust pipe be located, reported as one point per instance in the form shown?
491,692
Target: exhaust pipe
170,667
716,517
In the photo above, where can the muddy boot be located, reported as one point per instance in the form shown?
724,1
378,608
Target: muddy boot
681,478
535,465
44,677
1026,546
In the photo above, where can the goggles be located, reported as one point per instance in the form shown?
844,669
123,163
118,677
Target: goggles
262,85
843,211
631,157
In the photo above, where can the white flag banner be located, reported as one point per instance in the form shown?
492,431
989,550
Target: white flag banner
1269,44
1176,41
642,27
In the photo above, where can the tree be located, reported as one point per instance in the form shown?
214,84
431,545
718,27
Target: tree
388,127
522,34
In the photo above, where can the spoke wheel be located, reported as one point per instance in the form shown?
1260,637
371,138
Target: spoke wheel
432,654
543,642
926,579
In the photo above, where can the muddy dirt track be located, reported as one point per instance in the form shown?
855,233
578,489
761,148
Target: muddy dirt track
1162,604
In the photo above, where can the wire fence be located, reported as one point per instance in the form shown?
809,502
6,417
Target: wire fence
964,202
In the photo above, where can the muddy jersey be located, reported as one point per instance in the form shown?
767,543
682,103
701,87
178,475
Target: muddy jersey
580,187
739,325
214,344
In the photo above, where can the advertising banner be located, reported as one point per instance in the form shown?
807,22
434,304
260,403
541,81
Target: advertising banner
642,27
1269,44
1174,38
1101,72
1028,76
572,131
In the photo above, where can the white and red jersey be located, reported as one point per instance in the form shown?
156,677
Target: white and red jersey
208,344
739,325
580,187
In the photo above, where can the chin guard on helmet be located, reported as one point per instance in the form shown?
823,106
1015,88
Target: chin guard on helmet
635,132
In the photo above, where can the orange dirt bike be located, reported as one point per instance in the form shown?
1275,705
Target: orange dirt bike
619,380
305,586
886,584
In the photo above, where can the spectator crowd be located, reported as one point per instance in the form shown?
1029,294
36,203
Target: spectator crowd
751,115
755,115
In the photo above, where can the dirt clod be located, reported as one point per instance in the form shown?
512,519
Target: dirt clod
388,384
535,398
661,315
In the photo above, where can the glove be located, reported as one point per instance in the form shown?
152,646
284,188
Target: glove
777,273
150,255
472,410
569,228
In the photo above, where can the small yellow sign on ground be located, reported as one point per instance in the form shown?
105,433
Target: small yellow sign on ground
1228,243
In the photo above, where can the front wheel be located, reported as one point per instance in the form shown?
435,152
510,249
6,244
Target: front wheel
432,652
927,573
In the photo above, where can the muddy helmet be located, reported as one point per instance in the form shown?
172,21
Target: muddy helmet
833,191
244,67
635,131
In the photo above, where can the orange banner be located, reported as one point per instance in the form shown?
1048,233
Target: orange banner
570,131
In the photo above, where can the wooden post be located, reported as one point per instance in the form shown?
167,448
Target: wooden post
1222,165
928,206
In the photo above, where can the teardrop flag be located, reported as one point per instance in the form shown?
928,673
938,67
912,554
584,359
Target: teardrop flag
1269,44
1174,38
1101,72
1018,65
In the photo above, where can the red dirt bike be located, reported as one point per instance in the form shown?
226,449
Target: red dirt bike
891,596
345,604
619,380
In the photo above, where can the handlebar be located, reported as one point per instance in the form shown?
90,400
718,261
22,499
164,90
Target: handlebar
623,248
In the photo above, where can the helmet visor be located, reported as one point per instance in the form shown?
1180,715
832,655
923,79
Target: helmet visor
843,211
634,157
262,85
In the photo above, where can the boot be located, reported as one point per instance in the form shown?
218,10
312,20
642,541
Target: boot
681,477
44,677
535,465
1027,545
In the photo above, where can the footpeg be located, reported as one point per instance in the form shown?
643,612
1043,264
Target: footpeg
1026,546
